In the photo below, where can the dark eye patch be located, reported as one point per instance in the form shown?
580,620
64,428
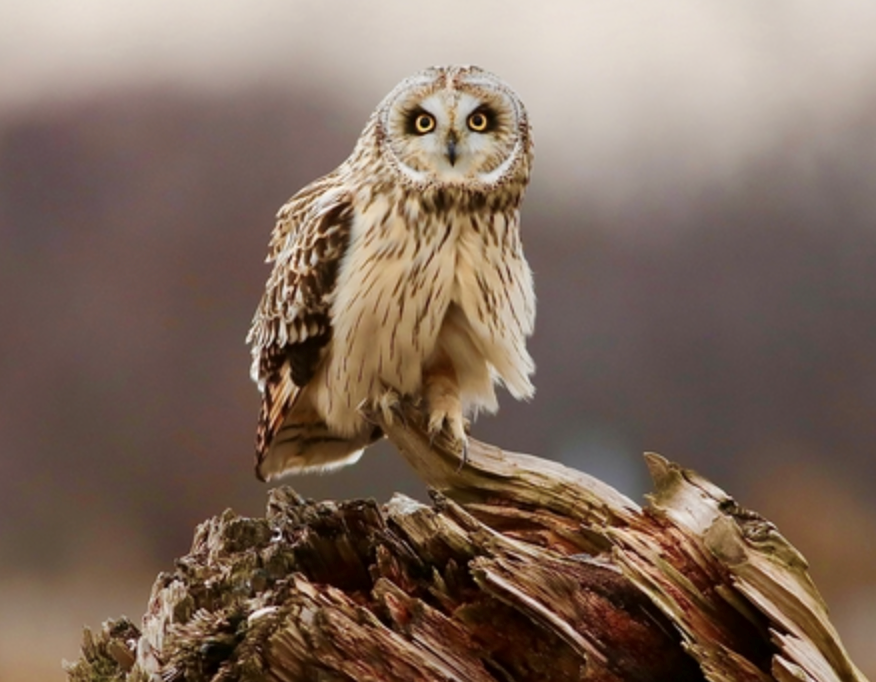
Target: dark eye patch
418,121
483,119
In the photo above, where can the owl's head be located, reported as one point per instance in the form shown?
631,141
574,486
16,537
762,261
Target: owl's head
455,125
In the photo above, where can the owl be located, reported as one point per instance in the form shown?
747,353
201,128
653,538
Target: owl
400,273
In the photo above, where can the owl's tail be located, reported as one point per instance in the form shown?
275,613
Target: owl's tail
304,444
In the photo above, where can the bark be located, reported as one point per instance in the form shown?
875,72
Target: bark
520,569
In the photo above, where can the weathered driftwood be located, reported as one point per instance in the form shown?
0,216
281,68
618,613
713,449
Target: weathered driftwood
521,569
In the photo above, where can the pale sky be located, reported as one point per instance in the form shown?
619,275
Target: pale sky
606,82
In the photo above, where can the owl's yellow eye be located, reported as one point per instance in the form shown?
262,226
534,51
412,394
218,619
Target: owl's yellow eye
478,122
424,123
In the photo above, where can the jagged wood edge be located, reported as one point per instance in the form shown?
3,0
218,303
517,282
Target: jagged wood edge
723,576
762,576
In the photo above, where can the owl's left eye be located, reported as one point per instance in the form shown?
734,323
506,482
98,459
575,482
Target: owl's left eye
478,122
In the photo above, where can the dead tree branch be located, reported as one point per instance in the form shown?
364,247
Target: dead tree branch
521,569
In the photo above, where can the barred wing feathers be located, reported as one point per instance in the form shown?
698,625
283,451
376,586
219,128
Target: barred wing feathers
292,324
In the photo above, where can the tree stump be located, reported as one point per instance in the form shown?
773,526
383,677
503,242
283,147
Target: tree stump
520,569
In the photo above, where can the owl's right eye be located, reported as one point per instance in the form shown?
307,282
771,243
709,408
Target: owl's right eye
424,123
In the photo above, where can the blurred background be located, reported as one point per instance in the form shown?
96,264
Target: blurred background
701,222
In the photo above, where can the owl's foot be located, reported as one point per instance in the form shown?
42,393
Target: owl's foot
452,424
449,421
444,407
386,404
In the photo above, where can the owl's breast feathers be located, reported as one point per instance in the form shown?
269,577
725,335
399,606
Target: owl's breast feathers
426,272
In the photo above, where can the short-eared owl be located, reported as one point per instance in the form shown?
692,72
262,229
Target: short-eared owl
399,273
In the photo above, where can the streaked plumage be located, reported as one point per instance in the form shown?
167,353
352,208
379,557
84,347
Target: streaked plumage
399,273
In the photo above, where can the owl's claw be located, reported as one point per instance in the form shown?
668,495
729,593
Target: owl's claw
386,404
452,424
443,403
464,459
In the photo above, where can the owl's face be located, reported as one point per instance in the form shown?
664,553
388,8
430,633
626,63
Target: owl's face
455,126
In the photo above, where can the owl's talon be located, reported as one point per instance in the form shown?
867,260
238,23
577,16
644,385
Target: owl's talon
454,427
464,459
386,404
436,424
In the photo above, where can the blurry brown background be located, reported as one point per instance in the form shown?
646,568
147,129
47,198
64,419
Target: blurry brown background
702,225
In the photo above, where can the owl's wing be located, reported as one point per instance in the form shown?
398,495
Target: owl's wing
292,324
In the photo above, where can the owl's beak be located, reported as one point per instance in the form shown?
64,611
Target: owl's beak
451,148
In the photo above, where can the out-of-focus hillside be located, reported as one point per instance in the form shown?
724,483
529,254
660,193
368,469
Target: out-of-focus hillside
705,261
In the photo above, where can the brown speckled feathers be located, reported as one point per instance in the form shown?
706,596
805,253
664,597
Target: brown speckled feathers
399,273
292,326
